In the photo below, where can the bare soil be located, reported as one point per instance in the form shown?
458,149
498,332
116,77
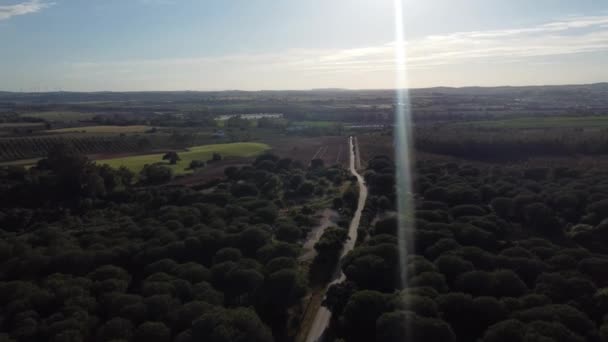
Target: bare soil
331,149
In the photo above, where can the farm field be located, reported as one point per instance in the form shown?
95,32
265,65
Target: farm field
60,115
204,153
11,125
21,162
332,149
371,145
544,122
222,123
102,129
320,124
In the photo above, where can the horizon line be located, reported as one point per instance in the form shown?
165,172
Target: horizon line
305,89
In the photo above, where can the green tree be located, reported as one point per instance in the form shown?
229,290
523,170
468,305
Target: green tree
506,331
152,332
406,326
172,157
361,312
116,328
155,174
230,325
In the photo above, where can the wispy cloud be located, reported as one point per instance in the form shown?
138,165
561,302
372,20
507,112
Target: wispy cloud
571,35
157,2
563,37
32,6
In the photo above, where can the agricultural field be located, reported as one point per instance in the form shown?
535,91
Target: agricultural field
318,124
202,153
371,145
222,123
21,162
102,129
20,125
14,149
543,122
60,115
331,149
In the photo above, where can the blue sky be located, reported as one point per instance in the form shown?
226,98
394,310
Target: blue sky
287,44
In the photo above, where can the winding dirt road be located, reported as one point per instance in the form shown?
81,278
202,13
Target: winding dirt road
323,316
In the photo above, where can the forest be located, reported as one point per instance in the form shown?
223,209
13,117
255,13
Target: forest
498,254
89,254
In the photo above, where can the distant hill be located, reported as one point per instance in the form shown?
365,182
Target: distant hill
537,92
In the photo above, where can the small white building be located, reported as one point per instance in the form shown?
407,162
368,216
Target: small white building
251,116
219,134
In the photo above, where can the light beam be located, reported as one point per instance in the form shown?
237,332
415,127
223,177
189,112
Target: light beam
403,145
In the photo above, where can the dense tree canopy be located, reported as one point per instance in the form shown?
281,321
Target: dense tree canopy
92,253
498,254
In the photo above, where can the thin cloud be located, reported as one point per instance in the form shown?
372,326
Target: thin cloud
157,2
568,36
32,6
563,37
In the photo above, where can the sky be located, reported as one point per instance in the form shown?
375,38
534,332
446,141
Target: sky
130,45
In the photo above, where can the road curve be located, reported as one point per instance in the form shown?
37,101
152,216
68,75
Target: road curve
323,316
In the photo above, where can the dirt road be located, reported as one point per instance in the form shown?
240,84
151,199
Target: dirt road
323,316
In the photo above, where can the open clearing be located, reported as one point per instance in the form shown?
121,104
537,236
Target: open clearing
545,122
102,129
204,153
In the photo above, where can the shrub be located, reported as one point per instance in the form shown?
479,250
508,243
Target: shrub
155,174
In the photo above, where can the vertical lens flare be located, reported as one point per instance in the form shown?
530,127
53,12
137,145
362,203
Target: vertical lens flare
402,142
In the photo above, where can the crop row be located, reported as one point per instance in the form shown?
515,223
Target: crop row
12,149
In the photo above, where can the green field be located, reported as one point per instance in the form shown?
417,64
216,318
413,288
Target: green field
102,129
544,122
60,115
204,153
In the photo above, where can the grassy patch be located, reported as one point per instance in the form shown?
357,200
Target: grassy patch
545,122
102,129
204,153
